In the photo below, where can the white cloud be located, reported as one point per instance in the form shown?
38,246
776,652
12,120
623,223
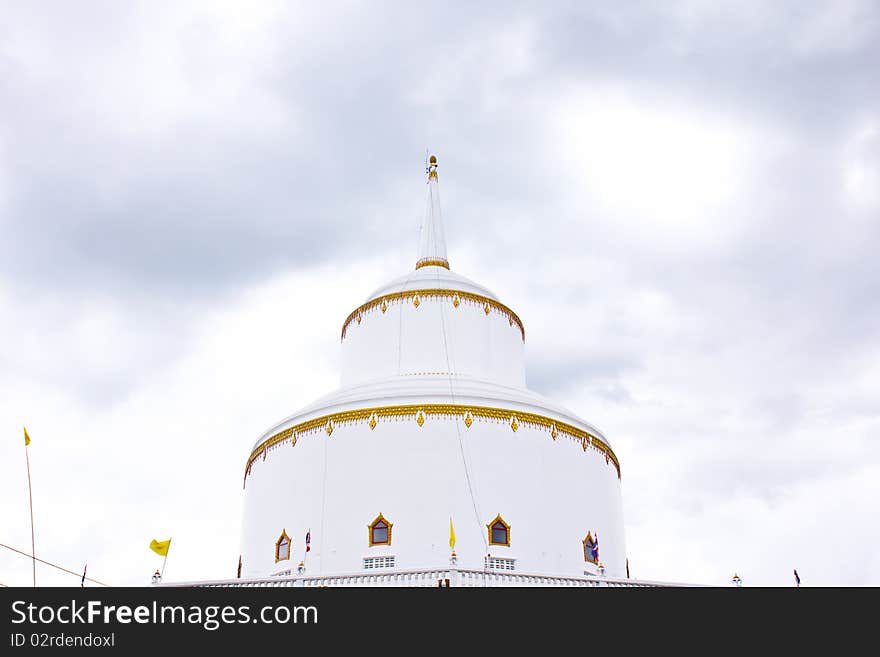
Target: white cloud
654,168
862,167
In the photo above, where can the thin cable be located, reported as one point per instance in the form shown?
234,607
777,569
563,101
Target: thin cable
461,449
449,374
27,460
467,475
49,563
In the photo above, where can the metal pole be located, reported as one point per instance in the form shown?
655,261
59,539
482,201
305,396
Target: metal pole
31,500
165,560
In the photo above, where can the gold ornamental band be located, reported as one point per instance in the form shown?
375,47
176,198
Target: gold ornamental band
419,412
432,262
457,297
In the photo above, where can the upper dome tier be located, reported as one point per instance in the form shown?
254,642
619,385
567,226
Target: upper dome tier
433,321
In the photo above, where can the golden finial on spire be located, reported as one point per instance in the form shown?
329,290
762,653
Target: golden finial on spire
432,244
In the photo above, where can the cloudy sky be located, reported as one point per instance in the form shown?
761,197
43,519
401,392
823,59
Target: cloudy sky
682,204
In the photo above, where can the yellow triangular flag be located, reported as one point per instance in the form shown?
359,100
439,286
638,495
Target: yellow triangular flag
451,534
160,547
27,438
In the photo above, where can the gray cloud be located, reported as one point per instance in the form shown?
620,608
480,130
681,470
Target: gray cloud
679,201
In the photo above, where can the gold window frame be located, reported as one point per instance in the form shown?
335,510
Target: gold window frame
372,525
498,519
278,547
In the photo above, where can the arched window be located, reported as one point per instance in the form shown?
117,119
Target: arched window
282,547
380,531
499,532
591,548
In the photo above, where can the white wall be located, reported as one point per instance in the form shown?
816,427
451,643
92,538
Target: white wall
408,340
551,493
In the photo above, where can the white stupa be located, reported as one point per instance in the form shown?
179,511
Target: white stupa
432,431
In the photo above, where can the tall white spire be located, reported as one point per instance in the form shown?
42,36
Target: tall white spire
432,241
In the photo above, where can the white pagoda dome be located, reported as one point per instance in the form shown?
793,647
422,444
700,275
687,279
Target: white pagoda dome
432,432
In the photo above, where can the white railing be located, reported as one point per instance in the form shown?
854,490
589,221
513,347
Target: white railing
431,577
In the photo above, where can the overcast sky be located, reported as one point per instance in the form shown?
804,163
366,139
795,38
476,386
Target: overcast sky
681,200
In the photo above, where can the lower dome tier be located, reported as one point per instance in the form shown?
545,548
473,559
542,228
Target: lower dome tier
473,456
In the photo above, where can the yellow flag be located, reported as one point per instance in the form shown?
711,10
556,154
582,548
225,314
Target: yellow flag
160,547
451,535
27,438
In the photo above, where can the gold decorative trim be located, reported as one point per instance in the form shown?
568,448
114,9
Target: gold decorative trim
514,424
420,418
417,296
432,262
377,520
280,540
494,522
466,412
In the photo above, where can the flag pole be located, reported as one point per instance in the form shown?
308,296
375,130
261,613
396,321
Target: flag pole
27,461
308,548
165,560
